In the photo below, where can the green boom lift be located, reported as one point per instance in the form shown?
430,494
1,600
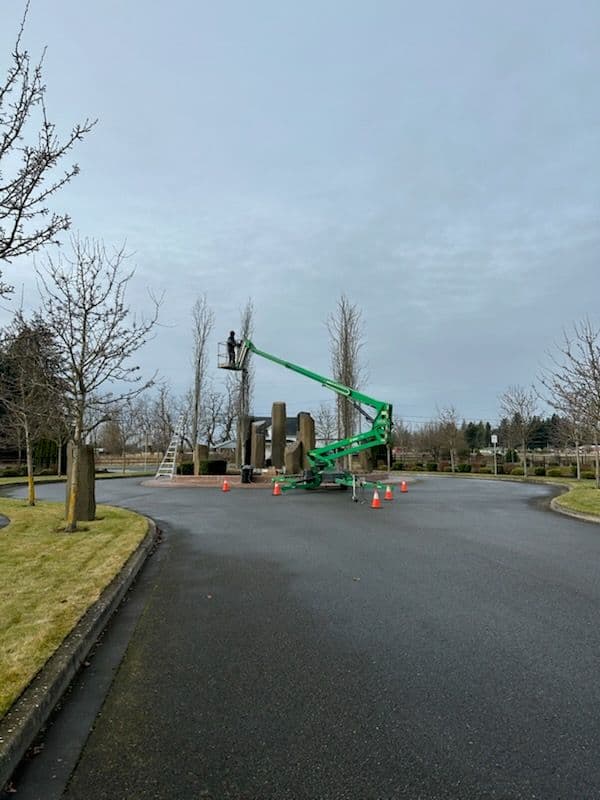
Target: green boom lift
323,460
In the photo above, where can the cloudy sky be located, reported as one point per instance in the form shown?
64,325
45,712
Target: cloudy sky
436,161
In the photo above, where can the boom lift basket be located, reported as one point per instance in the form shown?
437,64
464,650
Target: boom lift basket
223,361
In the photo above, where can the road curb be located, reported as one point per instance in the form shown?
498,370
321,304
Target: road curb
22,723
555,506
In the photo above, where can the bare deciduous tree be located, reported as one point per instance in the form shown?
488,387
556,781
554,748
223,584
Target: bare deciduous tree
403,436
246,383
211,422
127,420
573,383
325,423
229,412
448,421
28,160
161,419
520,405
203,321
345,343
83,302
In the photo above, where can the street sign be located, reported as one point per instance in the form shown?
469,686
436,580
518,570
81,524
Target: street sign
494,438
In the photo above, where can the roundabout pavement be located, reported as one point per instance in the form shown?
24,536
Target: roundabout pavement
307,647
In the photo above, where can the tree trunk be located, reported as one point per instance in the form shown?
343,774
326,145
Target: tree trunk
59,458
73,470
524,444
578,459
29,457
597,460
81,498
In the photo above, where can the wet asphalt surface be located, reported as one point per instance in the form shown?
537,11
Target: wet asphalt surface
444,646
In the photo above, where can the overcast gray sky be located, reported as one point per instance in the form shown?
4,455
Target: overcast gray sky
437,161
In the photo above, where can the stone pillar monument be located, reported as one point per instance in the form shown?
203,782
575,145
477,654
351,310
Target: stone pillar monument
293,458
278,419
257,445
306,435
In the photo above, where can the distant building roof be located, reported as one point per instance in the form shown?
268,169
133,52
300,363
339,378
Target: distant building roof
291,425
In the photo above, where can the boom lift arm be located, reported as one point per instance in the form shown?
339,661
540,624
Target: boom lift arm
323,459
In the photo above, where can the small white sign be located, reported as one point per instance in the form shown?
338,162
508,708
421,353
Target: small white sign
494,438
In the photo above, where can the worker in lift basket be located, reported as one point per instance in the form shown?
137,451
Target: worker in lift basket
231,345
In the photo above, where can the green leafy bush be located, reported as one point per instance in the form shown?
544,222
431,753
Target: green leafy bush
397,465
517,471
554,472
431,466
539,471
486,471
216,467
463,468
13,472
588,474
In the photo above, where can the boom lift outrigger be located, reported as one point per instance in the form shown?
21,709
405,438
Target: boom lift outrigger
322,460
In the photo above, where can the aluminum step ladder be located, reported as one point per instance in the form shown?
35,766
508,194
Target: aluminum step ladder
168,465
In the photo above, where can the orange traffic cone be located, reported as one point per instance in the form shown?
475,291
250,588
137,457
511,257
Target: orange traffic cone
376,503
404,486
276,489
226,486
388,493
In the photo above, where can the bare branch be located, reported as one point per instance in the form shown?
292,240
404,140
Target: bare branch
28,170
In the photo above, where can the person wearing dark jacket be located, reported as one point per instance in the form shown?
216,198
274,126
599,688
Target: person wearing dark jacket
231,345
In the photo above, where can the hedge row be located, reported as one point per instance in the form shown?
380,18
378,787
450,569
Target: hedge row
215,467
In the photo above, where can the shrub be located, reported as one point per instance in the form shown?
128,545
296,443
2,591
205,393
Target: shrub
431,466
517,471
486,471
554,472
397,465
13,472
540,471
216,467
463,468
588,474
186,468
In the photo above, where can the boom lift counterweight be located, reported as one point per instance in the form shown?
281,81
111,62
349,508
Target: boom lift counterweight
323,460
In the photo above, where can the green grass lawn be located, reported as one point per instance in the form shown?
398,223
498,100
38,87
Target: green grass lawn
50,578
582,496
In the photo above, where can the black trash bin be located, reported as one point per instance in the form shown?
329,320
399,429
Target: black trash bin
246,474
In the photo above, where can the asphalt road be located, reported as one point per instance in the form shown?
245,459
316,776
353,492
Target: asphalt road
306,647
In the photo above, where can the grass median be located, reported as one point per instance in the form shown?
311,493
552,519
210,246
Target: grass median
50,578
582,497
